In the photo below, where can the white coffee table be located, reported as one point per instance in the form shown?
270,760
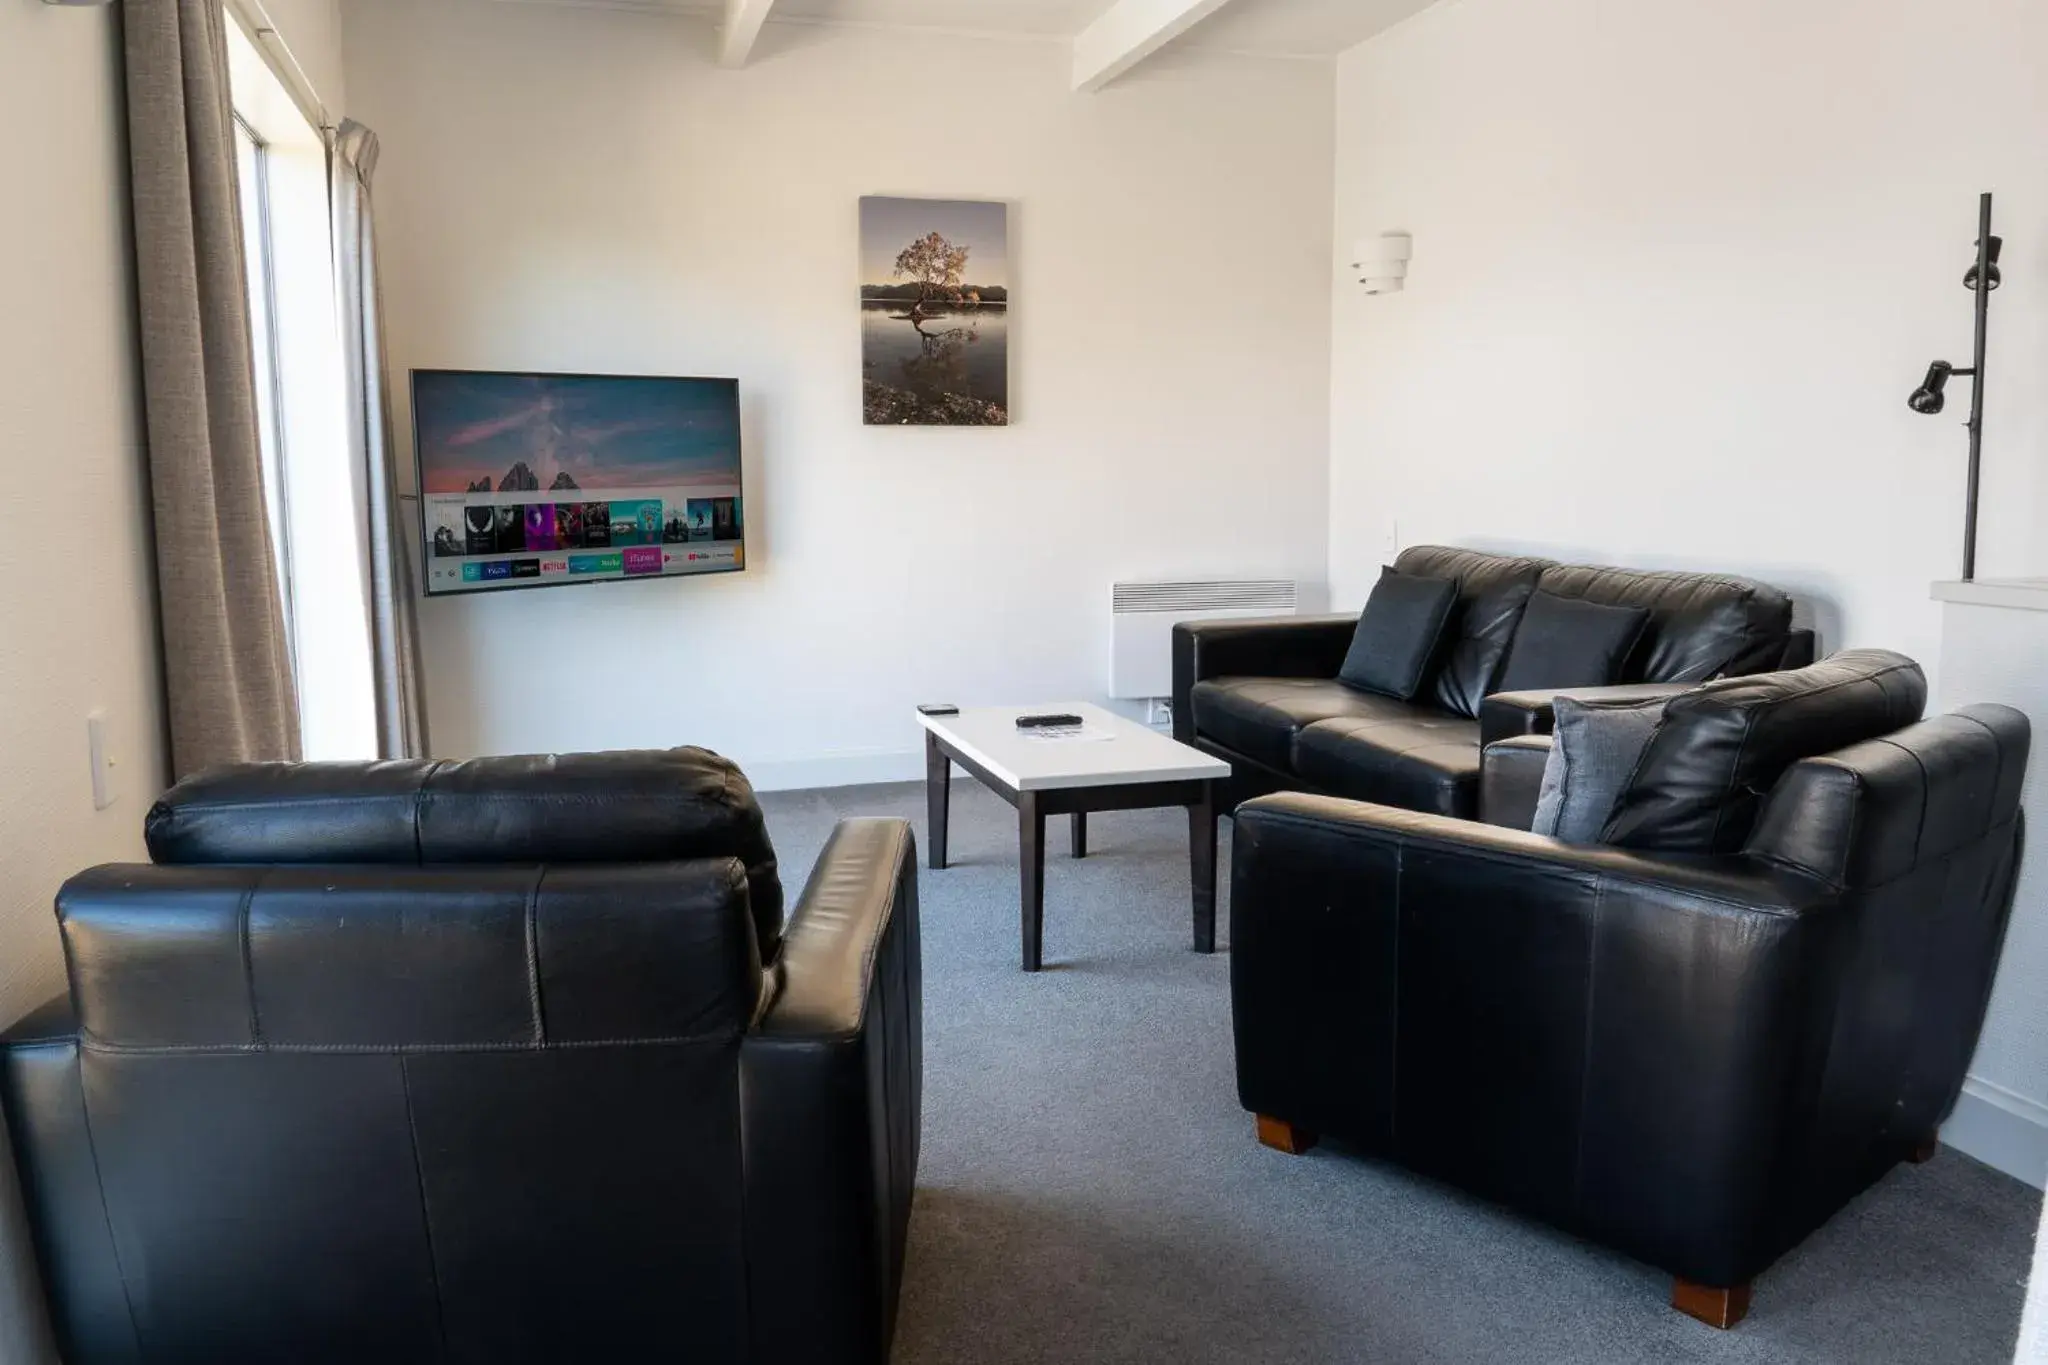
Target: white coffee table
1112,764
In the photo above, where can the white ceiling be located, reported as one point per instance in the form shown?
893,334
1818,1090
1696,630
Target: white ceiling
1042,18
1278,28
1318,28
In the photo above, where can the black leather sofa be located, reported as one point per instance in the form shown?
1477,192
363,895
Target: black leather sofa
1264,694
1694,1058
512,1060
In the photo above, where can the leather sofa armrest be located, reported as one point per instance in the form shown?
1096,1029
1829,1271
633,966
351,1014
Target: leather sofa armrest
1254,647
42,1098
831,1080
1506,714
1511,780
1381,957
1330,830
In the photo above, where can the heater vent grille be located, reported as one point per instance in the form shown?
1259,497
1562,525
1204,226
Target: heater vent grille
1199,595
1142,617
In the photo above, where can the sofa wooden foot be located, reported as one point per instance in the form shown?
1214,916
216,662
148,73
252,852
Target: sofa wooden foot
1283,1136
1925,1151
1715,1307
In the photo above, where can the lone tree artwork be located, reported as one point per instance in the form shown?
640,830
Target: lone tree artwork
935,265
935,302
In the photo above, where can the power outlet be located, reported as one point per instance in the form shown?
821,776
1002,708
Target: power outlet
1159,713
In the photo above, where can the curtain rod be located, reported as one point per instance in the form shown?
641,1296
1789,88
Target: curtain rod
278,57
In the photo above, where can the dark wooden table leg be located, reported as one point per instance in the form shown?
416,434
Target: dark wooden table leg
1202,866
1080,833
1031,861
938,785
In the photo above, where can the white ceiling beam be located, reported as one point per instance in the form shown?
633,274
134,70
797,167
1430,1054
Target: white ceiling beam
743,20
1130,32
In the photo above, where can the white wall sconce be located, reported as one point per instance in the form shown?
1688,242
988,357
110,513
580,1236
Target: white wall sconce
1382,261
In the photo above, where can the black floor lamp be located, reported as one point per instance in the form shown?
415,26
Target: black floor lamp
1982,278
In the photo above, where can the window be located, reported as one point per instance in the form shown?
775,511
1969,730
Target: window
313,496
251,158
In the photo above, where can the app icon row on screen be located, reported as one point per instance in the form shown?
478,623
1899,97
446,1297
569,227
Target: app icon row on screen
498,528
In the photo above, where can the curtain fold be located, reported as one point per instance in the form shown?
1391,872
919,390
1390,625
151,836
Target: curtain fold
227,662
394,616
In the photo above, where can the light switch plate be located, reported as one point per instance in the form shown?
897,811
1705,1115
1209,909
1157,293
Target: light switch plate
102,760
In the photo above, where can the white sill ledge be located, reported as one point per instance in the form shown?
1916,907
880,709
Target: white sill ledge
2020,594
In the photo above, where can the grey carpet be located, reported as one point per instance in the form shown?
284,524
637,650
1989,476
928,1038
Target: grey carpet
1090,1192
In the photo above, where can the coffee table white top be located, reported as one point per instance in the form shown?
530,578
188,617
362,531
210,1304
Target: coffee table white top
1109,752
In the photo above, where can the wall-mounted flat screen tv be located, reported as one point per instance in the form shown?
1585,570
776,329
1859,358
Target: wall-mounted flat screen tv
528,480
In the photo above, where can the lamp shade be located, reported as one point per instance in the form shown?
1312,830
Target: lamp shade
1389,248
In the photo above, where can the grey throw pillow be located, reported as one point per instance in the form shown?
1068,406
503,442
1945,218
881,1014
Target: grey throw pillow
1594,749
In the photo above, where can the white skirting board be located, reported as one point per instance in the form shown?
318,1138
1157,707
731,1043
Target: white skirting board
848,768
2002,1129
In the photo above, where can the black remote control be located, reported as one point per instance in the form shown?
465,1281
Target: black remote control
938,708
1047,720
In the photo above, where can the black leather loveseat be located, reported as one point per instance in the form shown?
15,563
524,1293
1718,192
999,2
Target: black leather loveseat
1694,1056
512,1060
1264,694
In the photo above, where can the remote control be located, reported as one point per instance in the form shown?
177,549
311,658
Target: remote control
938,708
1047,720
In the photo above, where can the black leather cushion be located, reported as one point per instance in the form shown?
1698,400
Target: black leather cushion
1259,717
1570,642
1722,745
1424,760
375,957
291,812
1397,633
625,806
1492,590
1701,626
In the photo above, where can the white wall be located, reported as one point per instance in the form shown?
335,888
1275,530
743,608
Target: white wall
311,31
1677,266
77,575
1995,653
583,190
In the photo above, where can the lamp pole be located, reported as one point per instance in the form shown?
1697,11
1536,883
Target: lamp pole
1982,289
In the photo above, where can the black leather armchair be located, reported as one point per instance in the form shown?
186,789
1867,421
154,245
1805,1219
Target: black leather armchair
511,1060
1694,1059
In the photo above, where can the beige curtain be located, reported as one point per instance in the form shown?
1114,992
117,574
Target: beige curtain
394,619
227,668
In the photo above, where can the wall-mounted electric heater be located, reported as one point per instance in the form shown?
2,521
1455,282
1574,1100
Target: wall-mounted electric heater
1142,616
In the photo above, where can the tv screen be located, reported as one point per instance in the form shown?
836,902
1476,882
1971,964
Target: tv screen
528,480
